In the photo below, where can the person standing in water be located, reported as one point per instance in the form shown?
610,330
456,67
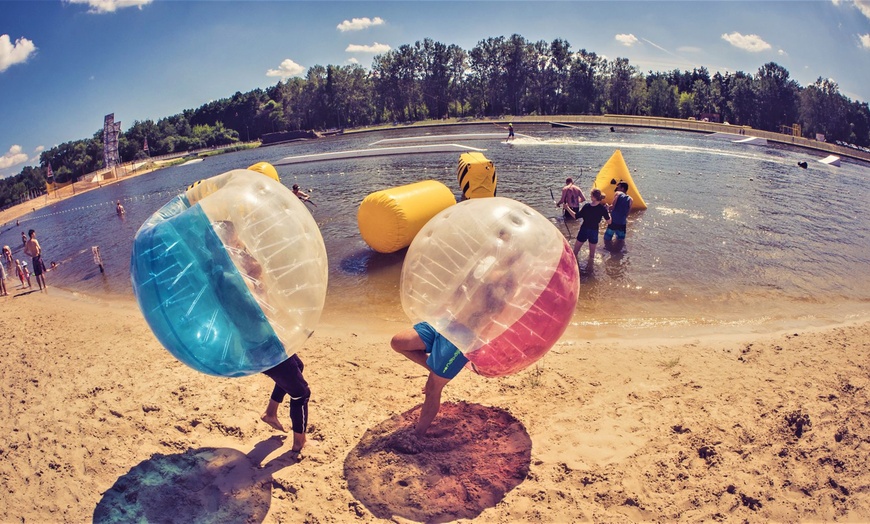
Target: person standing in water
619,210
592,213
572,197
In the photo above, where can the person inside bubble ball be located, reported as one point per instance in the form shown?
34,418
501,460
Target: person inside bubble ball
287,375
423,345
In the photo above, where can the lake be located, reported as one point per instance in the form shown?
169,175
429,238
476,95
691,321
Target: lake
737,237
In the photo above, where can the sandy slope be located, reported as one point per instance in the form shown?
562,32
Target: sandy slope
99,422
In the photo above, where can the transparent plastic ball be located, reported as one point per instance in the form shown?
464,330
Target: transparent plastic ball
231,275
494,277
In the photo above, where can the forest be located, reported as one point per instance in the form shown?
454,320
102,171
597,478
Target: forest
500,76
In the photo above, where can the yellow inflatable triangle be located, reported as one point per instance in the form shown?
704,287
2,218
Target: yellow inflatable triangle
613,172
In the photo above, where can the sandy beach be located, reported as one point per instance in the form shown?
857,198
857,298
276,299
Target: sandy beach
101,423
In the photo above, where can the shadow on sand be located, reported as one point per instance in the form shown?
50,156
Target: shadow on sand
470,458
200,485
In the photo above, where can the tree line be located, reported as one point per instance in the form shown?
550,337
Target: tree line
499,76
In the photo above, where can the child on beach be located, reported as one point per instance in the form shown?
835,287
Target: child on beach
592,213
23,273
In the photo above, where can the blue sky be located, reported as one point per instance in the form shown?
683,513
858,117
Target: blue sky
66,64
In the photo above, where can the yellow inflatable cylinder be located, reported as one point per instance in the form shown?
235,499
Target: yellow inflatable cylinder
390,219
476,176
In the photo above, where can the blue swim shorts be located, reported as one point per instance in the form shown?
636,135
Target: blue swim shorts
588,234
445,359
617,229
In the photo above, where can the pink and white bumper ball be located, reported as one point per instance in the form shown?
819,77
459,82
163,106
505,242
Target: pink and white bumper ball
494,277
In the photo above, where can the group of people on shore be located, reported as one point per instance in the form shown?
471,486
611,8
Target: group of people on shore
593,212
32,249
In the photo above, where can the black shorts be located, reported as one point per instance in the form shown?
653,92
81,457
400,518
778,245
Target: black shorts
38,266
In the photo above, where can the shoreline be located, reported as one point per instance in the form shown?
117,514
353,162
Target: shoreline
768,427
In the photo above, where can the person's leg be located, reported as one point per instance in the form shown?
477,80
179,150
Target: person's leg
593,243
288,376
409,344
270,416
577,245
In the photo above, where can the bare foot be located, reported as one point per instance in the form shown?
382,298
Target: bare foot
298,441
272,421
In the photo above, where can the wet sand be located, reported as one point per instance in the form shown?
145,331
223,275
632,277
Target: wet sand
100,422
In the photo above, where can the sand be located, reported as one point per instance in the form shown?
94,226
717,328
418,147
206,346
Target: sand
100,423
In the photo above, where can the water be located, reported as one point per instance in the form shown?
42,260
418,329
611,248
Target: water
736,236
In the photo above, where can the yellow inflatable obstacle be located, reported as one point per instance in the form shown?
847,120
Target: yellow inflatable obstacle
613,172
476,176
390,219
260,167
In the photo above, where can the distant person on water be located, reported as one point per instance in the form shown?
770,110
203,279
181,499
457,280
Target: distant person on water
592,213
510,131
34,251
23,239
303,196
572,197
7,254
119,209
618,218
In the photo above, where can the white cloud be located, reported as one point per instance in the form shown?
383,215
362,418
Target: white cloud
287,69
99,7
863,6
13,157
626,40
18,53
358,24
782,52
352,60
374,48
865,40
751,43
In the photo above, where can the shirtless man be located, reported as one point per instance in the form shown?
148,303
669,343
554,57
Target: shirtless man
572,197
34,251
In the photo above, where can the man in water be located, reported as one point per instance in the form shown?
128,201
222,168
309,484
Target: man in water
618,218
34,251
302,195
572,197
425,346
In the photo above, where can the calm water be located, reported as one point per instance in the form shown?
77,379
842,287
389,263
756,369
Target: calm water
735,237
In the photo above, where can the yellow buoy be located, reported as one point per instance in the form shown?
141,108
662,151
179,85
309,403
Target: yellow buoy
614,171
390,219
267,169
476,176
